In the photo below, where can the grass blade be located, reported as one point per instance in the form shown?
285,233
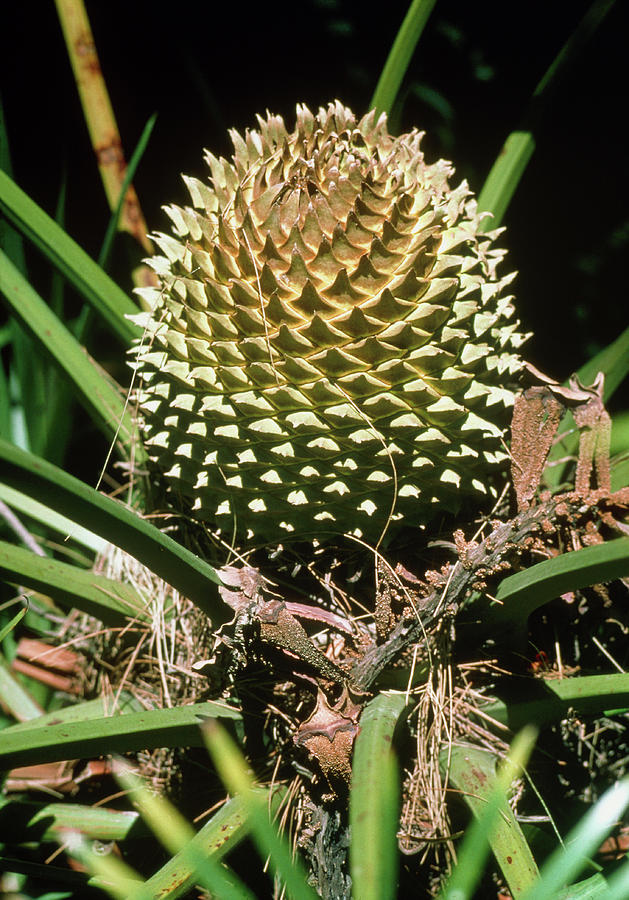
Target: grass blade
177,836
40,391
219,835
65,254
117,878
613,361
620,474
587,695
145,730
374,801
14,696
592,888
10,240
35,382
400,56
81,712
6,412
110,601
95,391
473,772
12,623
37,399
22,821
232,769
116,523
504,177
49,874
51,519
568,861
618,884
512,160
522,593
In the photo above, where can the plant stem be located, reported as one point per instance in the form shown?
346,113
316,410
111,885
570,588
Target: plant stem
101,121
400,56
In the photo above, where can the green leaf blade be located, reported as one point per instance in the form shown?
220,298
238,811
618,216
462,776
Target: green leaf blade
593,828
177,836
509,166
146,730
374,800
134,161
66,255
484,790
587,695
531,588
97,394
220,834
504,177
110,601
14,696
232,769
22,820
400,56
116,523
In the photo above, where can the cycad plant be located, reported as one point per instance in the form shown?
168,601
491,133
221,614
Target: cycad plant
318,550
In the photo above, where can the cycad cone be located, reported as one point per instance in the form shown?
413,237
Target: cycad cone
331,349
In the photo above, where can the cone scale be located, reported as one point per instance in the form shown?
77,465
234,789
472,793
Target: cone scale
331,347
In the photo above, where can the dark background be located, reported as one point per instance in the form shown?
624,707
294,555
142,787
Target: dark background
204,67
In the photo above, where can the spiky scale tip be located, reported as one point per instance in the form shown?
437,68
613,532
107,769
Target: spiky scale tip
331,348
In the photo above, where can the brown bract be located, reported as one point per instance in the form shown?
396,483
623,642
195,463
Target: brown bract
329,734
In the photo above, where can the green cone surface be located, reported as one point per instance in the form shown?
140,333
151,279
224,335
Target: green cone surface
331,349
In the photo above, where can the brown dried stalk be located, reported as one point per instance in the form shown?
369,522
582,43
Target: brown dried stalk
500,550
101,124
